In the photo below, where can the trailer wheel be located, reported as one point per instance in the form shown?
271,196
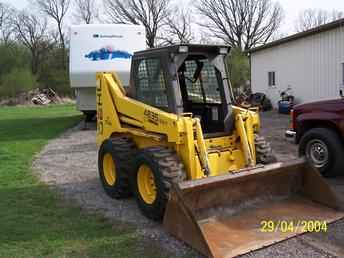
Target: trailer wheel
90,116
114,165
156,169
324,150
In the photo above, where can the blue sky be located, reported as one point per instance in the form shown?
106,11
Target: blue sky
291,7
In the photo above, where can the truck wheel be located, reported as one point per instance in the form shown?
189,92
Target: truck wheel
156,168
264,153
114,165
324,150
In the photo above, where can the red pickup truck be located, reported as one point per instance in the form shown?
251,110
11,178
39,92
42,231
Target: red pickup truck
318,128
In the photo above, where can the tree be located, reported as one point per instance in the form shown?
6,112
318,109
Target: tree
32,33
86,11
241,23
239,67
57,10
150,13
15,72
16,81
177,28
6,12
311,18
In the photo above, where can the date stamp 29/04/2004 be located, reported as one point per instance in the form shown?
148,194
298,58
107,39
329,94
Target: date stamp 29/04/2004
285,226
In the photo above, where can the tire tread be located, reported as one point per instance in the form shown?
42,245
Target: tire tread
264,153
123,151
170,171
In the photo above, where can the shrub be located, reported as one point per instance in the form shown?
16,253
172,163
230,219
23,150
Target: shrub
239,67
16,81
53,75
13,56
58,80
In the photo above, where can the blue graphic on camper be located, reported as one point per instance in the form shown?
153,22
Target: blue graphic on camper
108,53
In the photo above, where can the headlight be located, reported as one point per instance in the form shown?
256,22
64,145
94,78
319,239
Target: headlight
183,49
223,51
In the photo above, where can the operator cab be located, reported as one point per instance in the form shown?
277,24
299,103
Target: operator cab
186,79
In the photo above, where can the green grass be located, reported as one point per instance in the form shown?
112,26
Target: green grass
34,221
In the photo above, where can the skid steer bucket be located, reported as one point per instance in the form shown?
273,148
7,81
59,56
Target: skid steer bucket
223,216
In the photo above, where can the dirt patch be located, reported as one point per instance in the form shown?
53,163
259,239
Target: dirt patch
274,126
69,164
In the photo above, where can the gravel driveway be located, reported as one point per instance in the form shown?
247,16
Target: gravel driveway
69,165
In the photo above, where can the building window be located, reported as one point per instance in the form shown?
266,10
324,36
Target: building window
272,78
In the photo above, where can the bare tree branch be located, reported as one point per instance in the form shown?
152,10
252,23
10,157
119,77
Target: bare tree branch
86,11
149,13
6,29
177,28
311,18
57,10
54,37
241,23
32,32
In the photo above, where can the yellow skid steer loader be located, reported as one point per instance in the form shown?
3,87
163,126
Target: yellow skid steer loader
191,158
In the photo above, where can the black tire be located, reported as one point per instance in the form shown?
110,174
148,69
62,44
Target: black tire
335,149
122,151
264,153
167,169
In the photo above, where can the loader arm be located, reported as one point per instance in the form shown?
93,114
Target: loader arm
118,113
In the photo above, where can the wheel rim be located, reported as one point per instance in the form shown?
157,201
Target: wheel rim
146,184
109,169
317,152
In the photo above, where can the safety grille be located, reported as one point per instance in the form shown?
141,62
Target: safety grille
150,83
207,78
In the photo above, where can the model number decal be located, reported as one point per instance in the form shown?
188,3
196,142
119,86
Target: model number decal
100,125
151,117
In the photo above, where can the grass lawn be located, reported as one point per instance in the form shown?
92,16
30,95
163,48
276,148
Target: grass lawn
34,221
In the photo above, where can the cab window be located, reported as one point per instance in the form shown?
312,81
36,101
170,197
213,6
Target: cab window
150,83
204,88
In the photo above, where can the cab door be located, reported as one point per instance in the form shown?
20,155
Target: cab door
149,82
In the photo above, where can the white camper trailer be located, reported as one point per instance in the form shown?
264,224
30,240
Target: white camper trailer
101,47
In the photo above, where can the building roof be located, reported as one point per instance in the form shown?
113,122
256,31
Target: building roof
316,30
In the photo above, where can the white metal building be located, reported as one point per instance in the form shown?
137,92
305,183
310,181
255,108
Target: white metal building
311,63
